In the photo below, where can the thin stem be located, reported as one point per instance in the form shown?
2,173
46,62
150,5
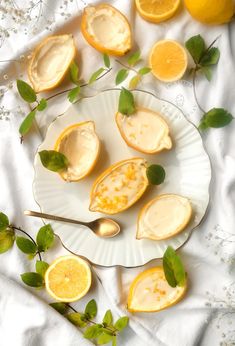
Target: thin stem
194,91
29,236
69,306
127,67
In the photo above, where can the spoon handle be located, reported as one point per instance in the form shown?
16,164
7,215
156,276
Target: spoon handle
53,217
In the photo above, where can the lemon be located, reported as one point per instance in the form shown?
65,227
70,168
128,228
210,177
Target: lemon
211,11
68,278
157,11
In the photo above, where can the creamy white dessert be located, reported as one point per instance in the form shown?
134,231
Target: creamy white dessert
145,131
164,217
80,144
50,61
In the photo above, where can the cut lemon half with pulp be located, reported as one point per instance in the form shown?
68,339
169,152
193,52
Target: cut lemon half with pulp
157,11
119,186
150,292
106,29
168,60
50,61
81,146
145,131
164,217
68,278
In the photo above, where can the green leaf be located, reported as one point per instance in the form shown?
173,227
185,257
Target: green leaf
73,72
104,339
108,318
91,308
27,123
41,267
26,91
173,268
106,60
75,318
114,341
216,118
26,245
92,332
121,76
126,103
211,57
134,82
53,160
42,105
4,222
207,72
7,238
73,94
196,47
60,307
45,238
134,58
32,279
144,70
155,174
95,75
121,323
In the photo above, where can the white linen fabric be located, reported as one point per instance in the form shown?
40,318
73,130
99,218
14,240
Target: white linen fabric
206,316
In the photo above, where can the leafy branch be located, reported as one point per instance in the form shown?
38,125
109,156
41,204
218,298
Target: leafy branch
205,58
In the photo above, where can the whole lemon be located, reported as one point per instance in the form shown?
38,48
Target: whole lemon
211,11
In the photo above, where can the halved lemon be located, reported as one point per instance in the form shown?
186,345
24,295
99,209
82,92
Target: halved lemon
106,29
150,292
157,11
168,60
68,278
81,145
119,186
164,217
145,131
50,61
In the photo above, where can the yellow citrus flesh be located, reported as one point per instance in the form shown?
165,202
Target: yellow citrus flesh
119,186
106,29
150,292
163,217
68,278
211,11
81,145
168,60
157,11
50,61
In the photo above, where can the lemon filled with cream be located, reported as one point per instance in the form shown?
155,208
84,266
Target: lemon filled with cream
50,61
106,29
119,186
81,146
163,217
144,130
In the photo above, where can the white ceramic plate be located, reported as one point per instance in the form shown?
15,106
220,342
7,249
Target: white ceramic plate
188,173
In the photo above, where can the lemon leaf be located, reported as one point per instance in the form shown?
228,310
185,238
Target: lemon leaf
108,318
155,174
106,60
144,70
121,76
134,58
121,323
59,307
45,238
26,245
196,47
41,267
26,91
75,318
173,268
73,94
134,82
7,238
211,57
42,105
91,308
207,72
95,75
104,339
53,160
27,123
215,118
92,332
4,222
32,279
126,103
73,72
114,341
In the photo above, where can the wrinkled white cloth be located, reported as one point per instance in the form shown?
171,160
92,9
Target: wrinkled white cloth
207,314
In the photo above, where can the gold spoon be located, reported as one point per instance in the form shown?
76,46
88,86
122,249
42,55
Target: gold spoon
102,227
